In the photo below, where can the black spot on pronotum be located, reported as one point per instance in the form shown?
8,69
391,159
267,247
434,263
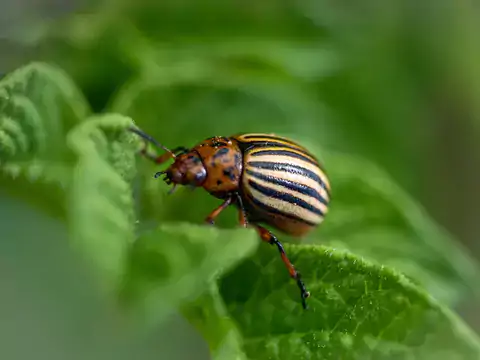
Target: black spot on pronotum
221,152
219,182
219,141
230,172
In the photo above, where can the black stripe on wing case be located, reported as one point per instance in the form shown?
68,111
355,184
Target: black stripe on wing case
271,137
272,210
272,193
285,153
275,141
291,185
266,144
294,169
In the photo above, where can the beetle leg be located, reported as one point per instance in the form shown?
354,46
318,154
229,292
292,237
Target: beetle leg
157,159
160,159
180,150
242,217
148,139
213,215
267,236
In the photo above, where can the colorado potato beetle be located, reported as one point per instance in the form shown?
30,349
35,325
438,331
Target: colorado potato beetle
270,179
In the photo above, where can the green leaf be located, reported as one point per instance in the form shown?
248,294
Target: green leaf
103,48
357,310
39,104
204,94
101,213
177,263
369,214
265,59
210,317
38,182
374,217
50,301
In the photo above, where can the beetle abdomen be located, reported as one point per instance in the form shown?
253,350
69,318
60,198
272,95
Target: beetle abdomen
283,184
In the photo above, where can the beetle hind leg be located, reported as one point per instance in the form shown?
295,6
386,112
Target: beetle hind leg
267,236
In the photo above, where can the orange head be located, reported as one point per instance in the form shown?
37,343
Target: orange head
214,164
187,169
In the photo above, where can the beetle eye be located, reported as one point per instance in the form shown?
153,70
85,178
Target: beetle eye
200,176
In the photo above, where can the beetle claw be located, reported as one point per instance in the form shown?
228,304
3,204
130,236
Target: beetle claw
305,294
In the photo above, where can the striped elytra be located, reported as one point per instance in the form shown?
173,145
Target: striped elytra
282,183
270,179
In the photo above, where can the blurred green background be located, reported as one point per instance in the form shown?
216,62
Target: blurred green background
395,84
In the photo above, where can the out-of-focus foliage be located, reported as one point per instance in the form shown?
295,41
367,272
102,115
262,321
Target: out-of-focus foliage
162,274
358,308
100,205
385,69
362,92
374,217
38,105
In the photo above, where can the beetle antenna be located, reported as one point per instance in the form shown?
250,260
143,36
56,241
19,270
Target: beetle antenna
151,140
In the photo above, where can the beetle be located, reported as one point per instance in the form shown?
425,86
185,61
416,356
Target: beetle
271,180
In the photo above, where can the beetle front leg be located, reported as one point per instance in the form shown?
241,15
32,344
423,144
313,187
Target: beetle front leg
160,159
267,236
214,214
154,157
